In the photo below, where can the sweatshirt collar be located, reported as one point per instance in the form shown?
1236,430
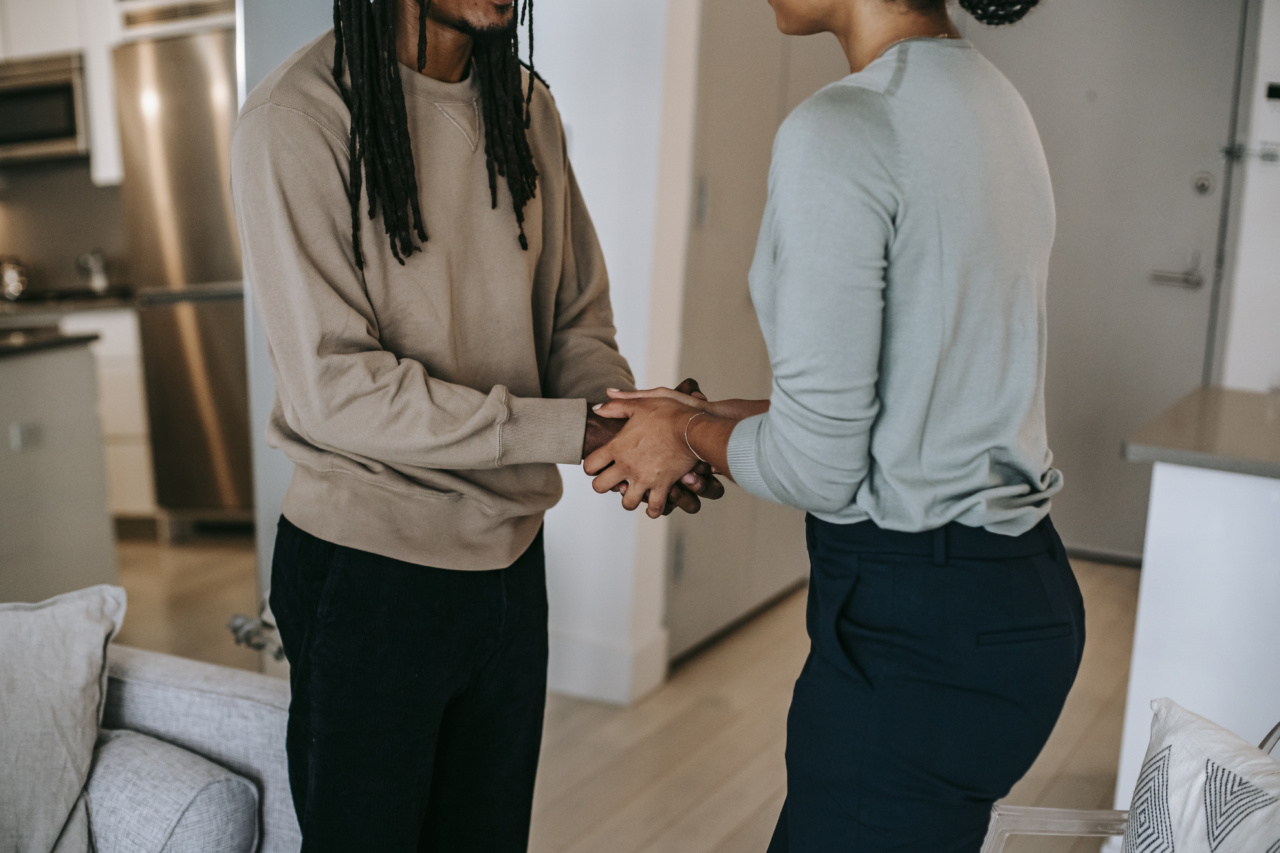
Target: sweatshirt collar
438,91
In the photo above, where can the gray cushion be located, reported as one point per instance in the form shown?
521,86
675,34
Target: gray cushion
52,681
147,796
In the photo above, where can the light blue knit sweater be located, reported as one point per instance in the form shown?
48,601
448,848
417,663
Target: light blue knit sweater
900,283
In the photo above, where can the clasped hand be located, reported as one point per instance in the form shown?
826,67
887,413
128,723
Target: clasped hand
648,460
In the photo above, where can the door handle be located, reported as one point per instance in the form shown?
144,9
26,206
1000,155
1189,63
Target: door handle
1191,279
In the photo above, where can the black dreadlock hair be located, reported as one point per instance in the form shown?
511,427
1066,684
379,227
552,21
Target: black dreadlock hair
381,156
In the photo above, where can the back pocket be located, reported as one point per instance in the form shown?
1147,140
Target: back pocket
1025,635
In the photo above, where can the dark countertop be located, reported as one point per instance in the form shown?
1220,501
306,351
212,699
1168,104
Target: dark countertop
1217,428
19,343
35,313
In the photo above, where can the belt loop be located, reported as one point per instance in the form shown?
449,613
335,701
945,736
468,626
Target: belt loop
940,546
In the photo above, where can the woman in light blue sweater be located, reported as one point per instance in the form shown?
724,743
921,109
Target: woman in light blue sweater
900,285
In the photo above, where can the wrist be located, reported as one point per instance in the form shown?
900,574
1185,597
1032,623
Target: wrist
737,410
688,424
598,432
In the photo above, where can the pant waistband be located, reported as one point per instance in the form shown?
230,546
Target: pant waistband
953,541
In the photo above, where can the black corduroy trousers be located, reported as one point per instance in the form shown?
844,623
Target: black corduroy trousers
418,697
938,666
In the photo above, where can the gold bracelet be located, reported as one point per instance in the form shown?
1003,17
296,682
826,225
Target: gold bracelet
687,424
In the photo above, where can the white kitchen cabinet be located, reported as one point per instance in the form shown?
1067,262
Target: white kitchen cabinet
100,33
122,407
55,532
39,27
91,28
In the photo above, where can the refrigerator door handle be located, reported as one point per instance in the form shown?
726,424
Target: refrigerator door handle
214,292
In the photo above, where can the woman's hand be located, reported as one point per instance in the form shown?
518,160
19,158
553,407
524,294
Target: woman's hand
649,454
732,410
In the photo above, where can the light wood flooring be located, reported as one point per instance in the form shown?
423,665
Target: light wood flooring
697,766
181,597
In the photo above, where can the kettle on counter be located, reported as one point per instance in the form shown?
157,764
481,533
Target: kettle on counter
13,278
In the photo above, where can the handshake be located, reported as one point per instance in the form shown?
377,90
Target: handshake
638,445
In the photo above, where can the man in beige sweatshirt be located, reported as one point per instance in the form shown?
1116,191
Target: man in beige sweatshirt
438,315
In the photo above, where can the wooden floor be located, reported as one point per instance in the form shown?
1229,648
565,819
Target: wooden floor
697,767
181,597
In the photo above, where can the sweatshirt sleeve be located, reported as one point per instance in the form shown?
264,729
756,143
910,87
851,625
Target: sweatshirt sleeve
828,225
584,360
344,391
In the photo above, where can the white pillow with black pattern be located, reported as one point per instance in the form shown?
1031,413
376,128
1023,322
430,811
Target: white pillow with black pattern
1202,789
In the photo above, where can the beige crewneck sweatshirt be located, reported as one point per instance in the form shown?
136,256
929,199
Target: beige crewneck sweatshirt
424,406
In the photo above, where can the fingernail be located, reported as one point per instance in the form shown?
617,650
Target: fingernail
689,479
597,407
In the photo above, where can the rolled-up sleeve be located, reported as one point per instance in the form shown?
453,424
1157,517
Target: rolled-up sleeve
819,286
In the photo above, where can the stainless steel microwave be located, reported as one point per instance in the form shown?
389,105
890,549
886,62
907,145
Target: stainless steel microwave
42,109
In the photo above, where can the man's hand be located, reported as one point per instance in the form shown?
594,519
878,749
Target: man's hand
600,431
687,494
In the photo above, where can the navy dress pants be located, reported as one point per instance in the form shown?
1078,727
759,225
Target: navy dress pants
938,666
418,696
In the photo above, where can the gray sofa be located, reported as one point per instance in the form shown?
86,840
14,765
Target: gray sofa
233,720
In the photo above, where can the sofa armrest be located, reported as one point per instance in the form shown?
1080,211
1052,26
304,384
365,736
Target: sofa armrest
149,796
234,718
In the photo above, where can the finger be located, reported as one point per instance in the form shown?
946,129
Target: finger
657,501
608,480
712,488
598,461
690,387
695,480
614,409
684,499
666,393
633,498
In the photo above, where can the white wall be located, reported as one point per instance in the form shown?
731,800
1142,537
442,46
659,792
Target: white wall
268,31
1252,353
605,63
618,85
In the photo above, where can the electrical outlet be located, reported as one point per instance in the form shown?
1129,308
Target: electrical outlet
24,437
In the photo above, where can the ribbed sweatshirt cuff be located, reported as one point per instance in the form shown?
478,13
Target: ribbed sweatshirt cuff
541,430
744,457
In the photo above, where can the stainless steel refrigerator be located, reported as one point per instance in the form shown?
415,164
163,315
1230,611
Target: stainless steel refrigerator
177,106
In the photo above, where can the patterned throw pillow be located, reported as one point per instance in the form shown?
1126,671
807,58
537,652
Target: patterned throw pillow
1202,789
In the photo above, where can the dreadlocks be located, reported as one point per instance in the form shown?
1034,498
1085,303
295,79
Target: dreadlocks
381,156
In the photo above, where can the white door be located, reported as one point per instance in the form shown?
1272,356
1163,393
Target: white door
741,552
1134,101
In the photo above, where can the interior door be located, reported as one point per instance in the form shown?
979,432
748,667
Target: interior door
1134,102
740,552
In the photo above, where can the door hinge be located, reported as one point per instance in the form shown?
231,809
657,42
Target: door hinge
677,556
